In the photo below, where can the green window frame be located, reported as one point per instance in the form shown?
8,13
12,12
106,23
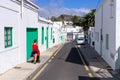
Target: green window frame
42,36
8,36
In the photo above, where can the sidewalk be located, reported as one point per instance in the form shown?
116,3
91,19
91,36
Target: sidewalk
24,70
99,67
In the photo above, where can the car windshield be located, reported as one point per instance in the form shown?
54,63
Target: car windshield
81,38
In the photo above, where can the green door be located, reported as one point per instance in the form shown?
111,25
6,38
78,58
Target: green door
32,33
62,38
47,38
42,36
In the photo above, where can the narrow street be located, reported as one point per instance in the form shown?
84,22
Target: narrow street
66,65
60,40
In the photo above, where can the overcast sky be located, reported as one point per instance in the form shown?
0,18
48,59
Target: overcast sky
49,8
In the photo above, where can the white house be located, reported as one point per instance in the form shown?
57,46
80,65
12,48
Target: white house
45,33
20,25
74,32
59,32
9,44
18,20
29,28
68,23
107,32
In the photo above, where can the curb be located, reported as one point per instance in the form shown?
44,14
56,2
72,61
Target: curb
97,72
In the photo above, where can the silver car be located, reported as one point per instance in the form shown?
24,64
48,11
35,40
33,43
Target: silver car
80,40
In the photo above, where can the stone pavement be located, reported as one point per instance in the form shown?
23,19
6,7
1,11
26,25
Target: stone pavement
24,70
96,63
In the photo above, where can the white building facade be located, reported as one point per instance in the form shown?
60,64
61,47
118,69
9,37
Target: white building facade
74,32
107,32
59,32
20,25
45,33
9,31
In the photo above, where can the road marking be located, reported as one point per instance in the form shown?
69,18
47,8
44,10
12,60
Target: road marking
52,57
58,50
90,75
81,57
41,70
85,65
55,54
49,60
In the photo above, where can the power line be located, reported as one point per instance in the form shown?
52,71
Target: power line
97,3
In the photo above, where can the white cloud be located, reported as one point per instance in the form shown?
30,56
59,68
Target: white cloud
52,11
55,8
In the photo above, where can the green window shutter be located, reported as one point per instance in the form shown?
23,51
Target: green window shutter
42,35
8,36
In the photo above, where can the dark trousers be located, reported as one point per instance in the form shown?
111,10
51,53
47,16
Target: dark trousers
38,59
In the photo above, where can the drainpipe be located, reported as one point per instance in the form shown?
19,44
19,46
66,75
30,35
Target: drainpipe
22,5
20,29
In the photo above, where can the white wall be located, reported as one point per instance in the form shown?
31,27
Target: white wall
109,28
117,55
10,16
50,40
40,25
9,13
105,20
57,27
29,20
72,29
45,23
57,35
98,25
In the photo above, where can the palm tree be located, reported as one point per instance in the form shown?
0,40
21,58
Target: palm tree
88,19
92,18
75,20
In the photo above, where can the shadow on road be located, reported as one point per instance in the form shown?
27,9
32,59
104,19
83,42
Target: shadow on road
87,78
74,57
94,78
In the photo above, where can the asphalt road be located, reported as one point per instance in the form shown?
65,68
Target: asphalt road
66,65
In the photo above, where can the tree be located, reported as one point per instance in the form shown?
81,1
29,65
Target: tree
75,20
62,17
92,18
88,20
53,18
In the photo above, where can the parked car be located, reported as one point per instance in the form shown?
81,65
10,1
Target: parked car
80,40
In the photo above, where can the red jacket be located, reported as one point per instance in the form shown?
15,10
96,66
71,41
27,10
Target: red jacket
35,48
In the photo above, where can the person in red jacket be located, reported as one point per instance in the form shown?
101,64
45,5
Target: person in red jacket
35,52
